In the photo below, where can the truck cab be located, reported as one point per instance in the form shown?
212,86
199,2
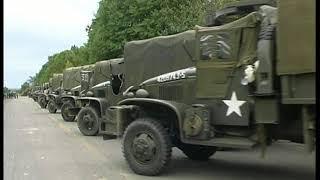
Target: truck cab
43,96
72,87
101,87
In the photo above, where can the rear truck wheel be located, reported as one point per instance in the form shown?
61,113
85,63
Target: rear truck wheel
65,112
88,121
147,147
197,152
52,106
43,103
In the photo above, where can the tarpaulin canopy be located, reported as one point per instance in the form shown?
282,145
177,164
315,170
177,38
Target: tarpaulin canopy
103,70
296,37
56,81
71,76
144,59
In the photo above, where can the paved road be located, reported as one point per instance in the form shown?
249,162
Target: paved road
39,145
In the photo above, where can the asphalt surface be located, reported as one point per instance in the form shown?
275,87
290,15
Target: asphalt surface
39,145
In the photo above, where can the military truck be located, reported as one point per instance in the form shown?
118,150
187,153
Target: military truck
31,90
97,94
74,79
172,53
70,86
43,95
253,81
35,91
56,90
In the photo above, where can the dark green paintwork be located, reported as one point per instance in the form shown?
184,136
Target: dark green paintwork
216,79
195,83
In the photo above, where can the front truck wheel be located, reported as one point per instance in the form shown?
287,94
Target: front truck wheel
42,102
147,147
52,106
88,121
65,112
197,152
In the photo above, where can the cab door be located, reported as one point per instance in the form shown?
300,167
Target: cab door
217,58
219,75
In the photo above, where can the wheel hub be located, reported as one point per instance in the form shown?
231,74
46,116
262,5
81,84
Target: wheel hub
144,148
51,106
88,120
66,111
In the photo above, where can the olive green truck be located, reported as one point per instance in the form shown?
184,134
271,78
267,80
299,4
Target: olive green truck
93,84
68,87
251,81
238,84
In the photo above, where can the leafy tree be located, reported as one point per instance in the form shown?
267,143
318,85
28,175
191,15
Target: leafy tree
118,22
25,88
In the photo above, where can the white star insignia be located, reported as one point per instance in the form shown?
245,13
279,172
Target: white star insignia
233,105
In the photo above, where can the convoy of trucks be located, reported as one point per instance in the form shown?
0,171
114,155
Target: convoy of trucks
239,84
68,89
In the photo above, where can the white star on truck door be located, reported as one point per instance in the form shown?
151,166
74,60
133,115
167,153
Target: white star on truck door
233,105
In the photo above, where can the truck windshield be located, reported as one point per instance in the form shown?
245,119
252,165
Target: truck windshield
215,46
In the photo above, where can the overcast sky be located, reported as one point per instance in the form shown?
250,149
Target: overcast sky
36,29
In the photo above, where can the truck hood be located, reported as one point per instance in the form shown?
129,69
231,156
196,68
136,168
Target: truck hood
77,88
100,85
172,76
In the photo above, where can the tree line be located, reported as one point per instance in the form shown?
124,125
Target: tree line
117,22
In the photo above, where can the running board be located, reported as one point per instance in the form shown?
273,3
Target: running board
229,142
109,136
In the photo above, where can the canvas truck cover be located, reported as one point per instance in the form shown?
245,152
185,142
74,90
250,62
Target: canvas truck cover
102,71
71,76
56,81
144,59
50,82
296,37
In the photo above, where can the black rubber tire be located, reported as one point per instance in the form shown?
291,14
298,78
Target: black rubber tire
197,152
64,115
52,106
43,102
162,142
224,149
83,125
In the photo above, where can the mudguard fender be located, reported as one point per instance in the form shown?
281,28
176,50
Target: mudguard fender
66,98
52,96
42,95
93,101
177,108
